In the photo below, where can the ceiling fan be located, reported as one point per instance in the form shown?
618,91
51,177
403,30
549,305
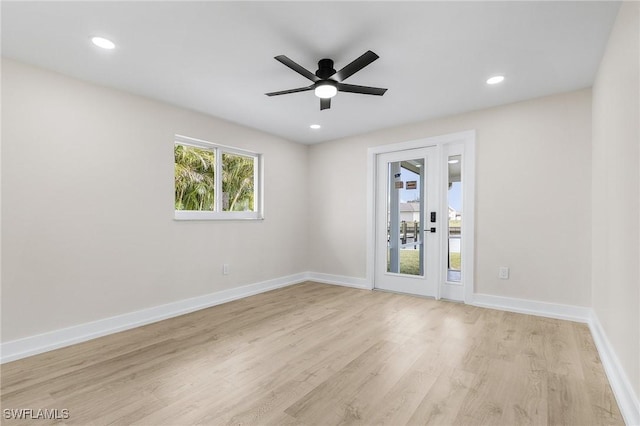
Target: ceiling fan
327,82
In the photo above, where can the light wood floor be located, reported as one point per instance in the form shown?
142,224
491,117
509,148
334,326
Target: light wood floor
319,354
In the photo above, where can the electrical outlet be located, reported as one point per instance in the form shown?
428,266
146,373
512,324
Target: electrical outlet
503,273
225,269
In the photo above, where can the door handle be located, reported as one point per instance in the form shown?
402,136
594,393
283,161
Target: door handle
430,230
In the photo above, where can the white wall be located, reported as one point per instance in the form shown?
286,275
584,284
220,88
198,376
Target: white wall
616,191
87,206
533,197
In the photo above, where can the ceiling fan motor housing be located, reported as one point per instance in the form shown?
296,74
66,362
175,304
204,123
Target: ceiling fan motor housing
325,69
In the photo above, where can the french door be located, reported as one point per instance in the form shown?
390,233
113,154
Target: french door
407,250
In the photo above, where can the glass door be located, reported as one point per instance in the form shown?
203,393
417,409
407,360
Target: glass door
407,250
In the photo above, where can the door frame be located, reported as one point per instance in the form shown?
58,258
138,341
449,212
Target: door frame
460,142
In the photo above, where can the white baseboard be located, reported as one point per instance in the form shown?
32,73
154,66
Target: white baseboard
533,307
32,345
341,280
625,396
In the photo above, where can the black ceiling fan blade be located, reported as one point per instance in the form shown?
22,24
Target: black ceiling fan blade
325,103
297,68
356,65
365,90
286,92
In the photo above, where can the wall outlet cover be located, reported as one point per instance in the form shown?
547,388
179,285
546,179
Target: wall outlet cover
503,273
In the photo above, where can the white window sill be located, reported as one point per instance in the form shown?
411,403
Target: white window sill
202,215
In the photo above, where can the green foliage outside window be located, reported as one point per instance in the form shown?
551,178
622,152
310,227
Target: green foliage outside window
195,180
237,182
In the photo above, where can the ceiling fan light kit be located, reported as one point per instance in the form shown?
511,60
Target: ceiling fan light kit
327,82
326,90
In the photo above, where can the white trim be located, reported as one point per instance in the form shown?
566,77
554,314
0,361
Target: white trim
623,391
199,143
467,248
210,215
419,143
371,218
341,280
533,307
452,291
44,342
218,177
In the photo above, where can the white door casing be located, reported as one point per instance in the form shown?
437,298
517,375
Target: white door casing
439,148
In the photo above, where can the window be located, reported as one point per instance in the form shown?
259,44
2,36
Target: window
213,181
454,198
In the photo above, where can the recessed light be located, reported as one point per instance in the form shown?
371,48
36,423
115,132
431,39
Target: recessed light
453,161
495,79
315,126
103,42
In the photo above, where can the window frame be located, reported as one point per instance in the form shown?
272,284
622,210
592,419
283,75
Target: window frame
218,213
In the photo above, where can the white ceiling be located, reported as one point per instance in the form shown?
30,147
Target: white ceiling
217,57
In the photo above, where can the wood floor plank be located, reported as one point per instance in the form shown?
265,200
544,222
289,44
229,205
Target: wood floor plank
441,404
314,354
568,403
397,406
484,403
561,349
526,402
